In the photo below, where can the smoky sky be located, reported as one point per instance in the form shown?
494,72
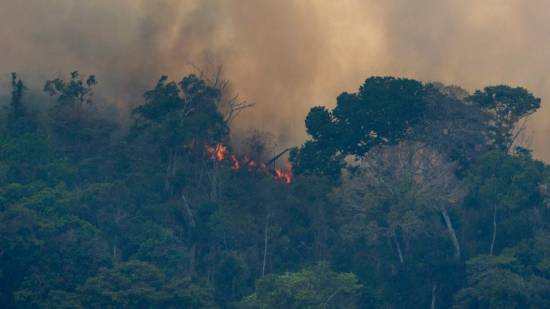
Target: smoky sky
284,55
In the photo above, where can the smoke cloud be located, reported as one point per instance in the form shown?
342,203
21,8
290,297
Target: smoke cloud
285,55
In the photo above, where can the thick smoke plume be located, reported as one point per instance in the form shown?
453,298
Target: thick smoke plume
285,55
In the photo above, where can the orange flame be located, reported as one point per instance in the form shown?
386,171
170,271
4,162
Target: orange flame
284,176
221,150
219,153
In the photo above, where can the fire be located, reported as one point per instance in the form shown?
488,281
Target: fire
219,154
284,175
221,150
236,165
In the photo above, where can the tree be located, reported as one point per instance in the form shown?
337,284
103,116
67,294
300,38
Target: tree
502,186
508,105
73,118
19,121
72,97
453,126
314,158
25,157
381,112
403,197
181,119
138,284
517,278
60,249
128,285
314,287
177,213
404,182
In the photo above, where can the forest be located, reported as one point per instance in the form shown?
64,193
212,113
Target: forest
407,194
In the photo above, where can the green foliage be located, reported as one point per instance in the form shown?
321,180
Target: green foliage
504,189
75,91
510,280
381,112
315,159
398,200
313,287
138,284
375,216
453,126
19,119
77,130
508,105
510,181
17,109
183,113
128,285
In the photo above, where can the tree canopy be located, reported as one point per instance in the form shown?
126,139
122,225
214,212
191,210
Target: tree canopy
406,195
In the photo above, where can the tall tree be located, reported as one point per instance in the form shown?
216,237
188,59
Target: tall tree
453,126
501,186
403,197
508,105
381,112
405,181
17,109
313,287
516,278
74,120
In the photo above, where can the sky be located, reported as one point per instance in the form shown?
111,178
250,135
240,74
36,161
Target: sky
284,55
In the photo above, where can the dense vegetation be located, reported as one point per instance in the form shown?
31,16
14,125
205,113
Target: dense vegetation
407,195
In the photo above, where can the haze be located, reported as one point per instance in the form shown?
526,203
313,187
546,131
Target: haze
284,55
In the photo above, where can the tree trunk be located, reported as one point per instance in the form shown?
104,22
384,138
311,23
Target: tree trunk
451,231
399,252
174,164
188,211
170,171
214,185
192,259
320,234
115,249
494,231
193,225
325,304
265,245
434,294
168,168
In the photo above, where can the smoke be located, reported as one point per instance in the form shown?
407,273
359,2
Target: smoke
285,55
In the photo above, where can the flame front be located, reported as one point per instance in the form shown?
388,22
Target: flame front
219,154
221,150
284,175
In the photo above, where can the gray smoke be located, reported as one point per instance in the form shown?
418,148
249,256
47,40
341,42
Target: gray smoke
285,55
